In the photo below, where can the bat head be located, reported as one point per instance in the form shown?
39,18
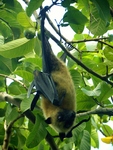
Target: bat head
61,120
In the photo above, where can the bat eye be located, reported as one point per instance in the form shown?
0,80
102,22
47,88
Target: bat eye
60,118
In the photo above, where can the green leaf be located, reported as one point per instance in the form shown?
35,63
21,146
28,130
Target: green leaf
108,131
17,48
26,103
13,5
5,30
84,102
97,25
79,130
103,9
7,65
38,133
68,146
85,141
76,77
75,18
21,140
106,92
1,40
16,89
2,129
12,115
108,52
33,5
95,92
110,37
2,112
38,48
2,105
94,138
34,63
25,75
24,20
77,28
10,17
66,3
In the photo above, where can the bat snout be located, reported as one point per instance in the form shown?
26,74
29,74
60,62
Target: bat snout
69,120
67,117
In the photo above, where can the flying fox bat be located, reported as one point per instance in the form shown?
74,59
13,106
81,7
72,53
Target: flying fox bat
56,88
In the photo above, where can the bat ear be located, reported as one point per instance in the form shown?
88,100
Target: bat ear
48,120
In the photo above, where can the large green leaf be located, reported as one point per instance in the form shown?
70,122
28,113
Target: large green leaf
106,92
17,48
108,131
12,115
77,28
94,92
97,25
9,16
26,103
16,89
5,29
38,133
76,77
24,20
7,65
75,18
34,63
94,138
13,5
85,141
2,112
84,102
21,139
108,52
100,17
25,75
66,3
103,9
33,5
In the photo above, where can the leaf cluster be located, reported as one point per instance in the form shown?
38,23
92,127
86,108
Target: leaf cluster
89,60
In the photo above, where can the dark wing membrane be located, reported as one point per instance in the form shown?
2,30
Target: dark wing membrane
44,85
30,89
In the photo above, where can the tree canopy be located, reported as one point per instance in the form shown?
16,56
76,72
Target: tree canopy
89,60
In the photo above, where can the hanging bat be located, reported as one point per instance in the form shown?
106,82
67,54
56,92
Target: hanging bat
56,88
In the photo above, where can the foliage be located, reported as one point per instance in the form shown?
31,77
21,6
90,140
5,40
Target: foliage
90,63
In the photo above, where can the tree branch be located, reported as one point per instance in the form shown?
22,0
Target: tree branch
99,111
89,40
28,114
105,43
8,132
21,83
103,78
77,41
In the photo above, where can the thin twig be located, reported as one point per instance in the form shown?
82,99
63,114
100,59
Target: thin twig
8,132
14,79
89,40
105,43
103,78
99,111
